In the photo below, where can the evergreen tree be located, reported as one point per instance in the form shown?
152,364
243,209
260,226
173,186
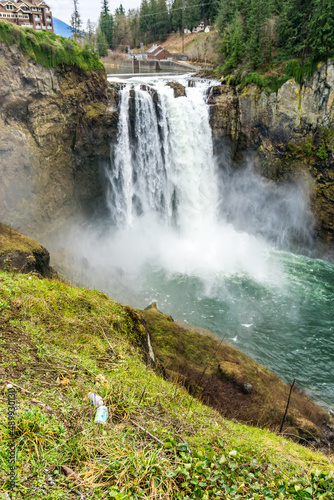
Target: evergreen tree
321,30
226,13
232,43
133,20
153,11
258,13
162,20
294,27
106,23
177,15
191,14
102,44
90,34
76,21
144,12
120,10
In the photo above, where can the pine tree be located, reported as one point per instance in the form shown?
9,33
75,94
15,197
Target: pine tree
106,23
102,44
153,11
256,41
76,21
90,33
191,14
321,31
144,12
233,44
226,13
177,15
162,20
294,27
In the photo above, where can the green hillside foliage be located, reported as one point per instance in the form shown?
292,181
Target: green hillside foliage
49,49
264,41
55,342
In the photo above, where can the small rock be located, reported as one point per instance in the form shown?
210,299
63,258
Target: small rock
247,388
179,90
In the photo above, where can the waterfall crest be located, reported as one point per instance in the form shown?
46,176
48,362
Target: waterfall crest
163,159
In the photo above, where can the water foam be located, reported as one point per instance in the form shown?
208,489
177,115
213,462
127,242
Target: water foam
164,191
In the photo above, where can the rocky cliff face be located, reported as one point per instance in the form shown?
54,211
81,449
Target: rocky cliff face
291,133
55,130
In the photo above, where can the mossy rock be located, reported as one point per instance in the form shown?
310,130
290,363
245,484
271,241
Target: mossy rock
22,254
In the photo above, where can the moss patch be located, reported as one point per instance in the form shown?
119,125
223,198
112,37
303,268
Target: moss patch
49,49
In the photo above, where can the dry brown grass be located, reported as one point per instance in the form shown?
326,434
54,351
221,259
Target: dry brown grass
11,241
197,46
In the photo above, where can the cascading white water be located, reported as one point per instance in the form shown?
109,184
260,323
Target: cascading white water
164,189
163,160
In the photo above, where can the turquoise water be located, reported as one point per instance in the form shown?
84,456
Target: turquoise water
288,327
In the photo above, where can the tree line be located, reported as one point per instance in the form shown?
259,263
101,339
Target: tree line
255,33
153,21
249,33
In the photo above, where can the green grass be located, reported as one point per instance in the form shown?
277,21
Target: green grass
55,340
49,49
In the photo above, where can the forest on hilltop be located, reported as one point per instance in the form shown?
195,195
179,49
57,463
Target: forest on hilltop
251,32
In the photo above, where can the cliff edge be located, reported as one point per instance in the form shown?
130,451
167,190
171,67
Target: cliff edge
290,132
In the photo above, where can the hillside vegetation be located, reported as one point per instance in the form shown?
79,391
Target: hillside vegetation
49,49
268,42
159,442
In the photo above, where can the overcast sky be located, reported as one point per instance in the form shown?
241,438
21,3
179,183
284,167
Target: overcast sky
88,9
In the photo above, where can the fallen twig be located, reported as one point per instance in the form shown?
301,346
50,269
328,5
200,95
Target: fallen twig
105,336
287,405
42,404
147,432
21,388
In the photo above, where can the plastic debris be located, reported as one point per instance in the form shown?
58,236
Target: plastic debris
95,399
101,415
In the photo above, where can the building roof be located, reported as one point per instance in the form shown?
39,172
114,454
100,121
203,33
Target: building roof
152,49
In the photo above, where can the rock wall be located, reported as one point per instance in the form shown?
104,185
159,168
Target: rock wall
55,129
291,133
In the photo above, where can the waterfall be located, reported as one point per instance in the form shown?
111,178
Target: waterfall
163,158
202,241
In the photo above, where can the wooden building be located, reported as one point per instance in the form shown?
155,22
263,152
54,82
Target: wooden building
156,52
34,14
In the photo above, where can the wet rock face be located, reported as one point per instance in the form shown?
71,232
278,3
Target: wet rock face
55,130
179,90
291,133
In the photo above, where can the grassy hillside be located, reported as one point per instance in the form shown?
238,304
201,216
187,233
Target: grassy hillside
227,379
197,46
49,49
159,442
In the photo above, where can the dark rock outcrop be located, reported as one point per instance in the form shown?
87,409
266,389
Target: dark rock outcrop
24,255
179,89
55,130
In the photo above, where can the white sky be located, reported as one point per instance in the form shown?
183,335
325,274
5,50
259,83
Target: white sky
88,9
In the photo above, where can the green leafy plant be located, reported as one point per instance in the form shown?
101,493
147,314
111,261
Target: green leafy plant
322,152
